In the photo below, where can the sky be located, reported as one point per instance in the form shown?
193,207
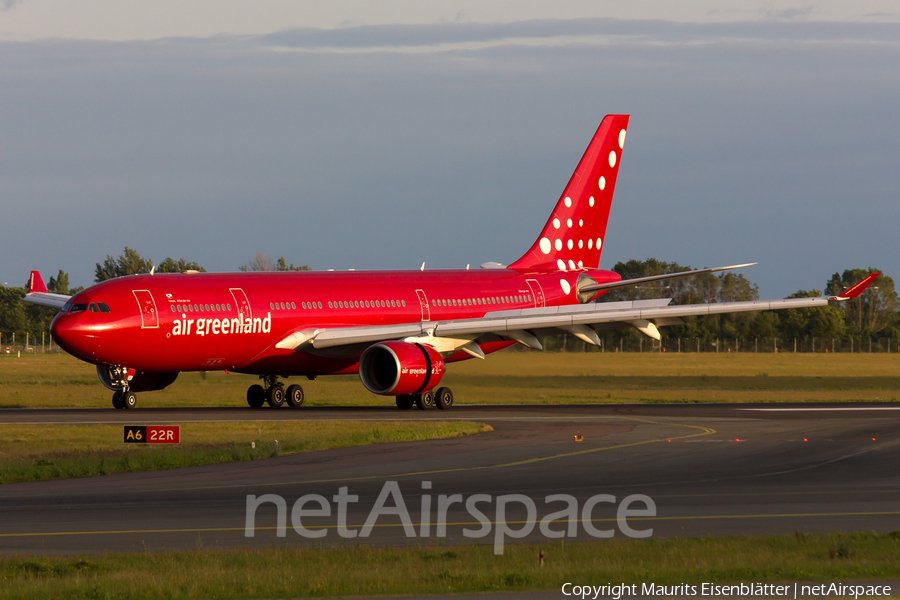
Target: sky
378,135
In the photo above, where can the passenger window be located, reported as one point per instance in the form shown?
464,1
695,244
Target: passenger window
103,307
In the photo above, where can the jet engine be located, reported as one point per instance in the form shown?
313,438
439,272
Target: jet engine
399,368
116,377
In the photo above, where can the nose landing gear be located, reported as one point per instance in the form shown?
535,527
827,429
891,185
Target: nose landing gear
124,399
118,378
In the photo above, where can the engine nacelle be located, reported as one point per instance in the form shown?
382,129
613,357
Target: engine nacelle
116,377
399,368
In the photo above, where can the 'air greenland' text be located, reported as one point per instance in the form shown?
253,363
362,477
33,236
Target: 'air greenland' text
237,325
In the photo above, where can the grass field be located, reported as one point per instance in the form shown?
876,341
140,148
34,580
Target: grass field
510,377
335,572
34,452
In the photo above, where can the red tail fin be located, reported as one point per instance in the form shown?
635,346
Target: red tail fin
36,283
573,237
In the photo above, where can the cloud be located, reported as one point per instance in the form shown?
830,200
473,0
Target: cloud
789,14
10,4
461,36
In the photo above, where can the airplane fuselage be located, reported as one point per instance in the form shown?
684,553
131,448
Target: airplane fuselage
216,321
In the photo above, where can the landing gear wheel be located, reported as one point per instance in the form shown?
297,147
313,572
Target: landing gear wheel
425,400
117,400
294,396
275,396
256,396
404,402
443,398
129,400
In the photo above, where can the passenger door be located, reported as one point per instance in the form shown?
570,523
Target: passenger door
149,316
536,292
423,304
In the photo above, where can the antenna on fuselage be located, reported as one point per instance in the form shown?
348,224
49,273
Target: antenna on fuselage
152,269
422,268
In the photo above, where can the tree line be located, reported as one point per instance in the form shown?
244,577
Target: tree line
874,314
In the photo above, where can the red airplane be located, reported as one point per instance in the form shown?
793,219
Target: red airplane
396,329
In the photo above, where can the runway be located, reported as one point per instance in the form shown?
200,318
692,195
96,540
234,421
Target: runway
707,469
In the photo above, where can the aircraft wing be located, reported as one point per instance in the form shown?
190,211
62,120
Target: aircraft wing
38,294
581,320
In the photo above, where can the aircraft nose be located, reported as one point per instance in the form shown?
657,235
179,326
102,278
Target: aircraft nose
67,333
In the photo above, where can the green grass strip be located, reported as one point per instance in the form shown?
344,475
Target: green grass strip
344,571
40,452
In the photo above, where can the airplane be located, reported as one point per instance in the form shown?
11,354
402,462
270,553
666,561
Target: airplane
396,329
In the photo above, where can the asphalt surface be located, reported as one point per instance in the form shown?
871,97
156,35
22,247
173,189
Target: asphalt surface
707,470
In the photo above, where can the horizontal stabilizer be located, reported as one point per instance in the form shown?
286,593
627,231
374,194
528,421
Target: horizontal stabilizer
38,294
857,289
596,287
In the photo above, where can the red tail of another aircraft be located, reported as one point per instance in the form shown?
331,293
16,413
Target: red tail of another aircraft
573,236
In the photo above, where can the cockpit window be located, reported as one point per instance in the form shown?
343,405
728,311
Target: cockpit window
93,307
66,307
80,307
103,307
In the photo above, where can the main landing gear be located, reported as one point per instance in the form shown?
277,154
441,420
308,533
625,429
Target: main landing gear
272,392
442,398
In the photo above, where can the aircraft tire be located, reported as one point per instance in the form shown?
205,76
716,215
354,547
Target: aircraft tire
275,396
117,400
256,396
425,400
294,396
443,398
404,402
129,400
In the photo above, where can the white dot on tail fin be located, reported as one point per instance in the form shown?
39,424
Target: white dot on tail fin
622,139
612,158
545,245
591,200
590,244
570,244
568,202
558,245
580,244
580,264
569,223
602,183
556,223
561,264
581,222
599,242
572,266
566,288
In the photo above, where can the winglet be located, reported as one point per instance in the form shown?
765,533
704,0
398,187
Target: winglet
36,283
857,289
